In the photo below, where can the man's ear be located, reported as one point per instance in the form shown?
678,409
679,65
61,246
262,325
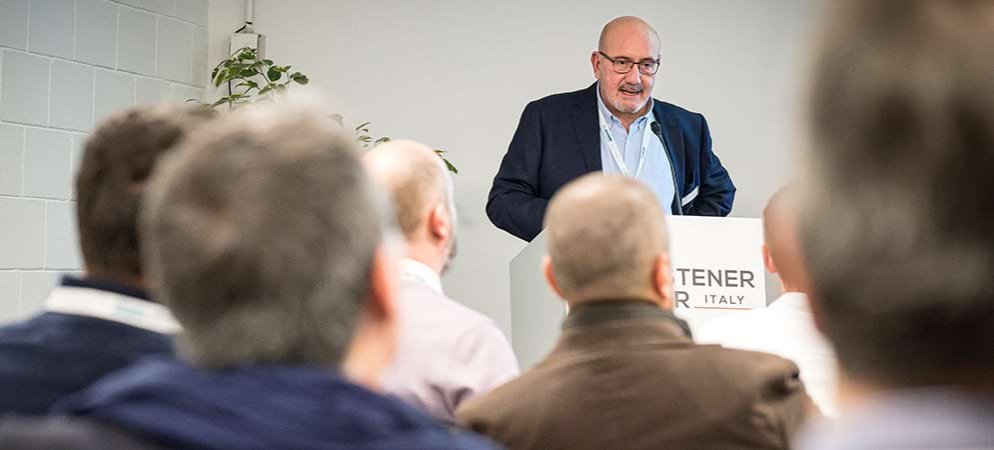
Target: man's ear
381,303
594,59
374,341
550,276
662,280
440,223
768,260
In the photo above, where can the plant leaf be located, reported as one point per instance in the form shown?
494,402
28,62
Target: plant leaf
451,167
273,74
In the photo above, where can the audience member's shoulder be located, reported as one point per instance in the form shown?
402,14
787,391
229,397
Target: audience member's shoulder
772,375
15,330
41,433
446,308
510,400
417,430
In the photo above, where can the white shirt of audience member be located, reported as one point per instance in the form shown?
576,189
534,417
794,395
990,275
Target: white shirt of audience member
447,353
785,328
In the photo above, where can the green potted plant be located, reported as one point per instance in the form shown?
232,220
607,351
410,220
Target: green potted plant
250,79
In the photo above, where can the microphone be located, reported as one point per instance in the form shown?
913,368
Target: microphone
658,131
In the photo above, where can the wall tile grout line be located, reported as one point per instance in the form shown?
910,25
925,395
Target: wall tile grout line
117,37
93,104
95,66
32,270
170,16
35,197
43,127
75,28
24,156
27,39
20,295
44,259
48,119
155,67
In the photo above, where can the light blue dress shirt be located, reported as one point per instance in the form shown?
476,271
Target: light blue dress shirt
656,173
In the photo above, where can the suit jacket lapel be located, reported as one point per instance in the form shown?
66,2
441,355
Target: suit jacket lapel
587,129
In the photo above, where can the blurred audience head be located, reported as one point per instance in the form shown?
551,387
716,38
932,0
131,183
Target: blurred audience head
117,161
899,218
781,244
607,240
265,238
421,192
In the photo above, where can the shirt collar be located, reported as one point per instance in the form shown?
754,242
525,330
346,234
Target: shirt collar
614,120
419,272
105,285
593,313
794,301
85,298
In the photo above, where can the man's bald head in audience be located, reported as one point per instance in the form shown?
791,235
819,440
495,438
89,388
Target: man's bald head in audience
781,247
420,190
607,240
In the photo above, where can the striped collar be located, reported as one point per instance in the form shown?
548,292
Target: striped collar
84,298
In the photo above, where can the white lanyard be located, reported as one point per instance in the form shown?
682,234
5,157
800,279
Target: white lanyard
616,155
111,306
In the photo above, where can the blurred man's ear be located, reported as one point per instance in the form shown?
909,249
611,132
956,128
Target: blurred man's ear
440,223
383,286
374,342
662,280
550,275
594,58
768,260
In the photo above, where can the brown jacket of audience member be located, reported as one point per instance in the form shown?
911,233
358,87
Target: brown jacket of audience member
627,375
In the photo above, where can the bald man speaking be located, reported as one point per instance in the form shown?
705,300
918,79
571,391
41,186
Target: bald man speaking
613,126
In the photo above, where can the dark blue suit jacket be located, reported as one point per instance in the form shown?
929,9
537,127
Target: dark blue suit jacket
557,140
53,355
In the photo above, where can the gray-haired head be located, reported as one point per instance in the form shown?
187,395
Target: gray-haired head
606,234
260,235
899,226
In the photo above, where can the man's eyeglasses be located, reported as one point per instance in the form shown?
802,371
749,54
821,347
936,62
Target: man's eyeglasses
624,65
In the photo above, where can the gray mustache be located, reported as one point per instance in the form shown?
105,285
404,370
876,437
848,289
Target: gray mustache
637,88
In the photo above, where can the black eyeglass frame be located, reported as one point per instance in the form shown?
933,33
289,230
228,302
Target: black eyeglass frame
622,61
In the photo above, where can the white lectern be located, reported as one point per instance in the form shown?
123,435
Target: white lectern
717,270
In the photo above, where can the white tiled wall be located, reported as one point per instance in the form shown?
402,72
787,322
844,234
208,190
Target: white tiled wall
64,66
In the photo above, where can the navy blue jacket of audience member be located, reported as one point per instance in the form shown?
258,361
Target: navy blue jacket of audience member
53,355
174,405
558,140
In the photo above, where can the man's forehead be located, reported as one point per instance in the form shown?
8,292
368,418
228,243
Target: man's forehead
632,43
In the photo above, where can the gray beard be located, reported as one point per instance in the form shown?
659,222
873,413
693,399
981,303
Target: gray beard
629,109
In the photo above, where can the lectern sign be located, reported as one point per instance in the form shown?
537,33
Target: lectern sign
717,266
717,269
